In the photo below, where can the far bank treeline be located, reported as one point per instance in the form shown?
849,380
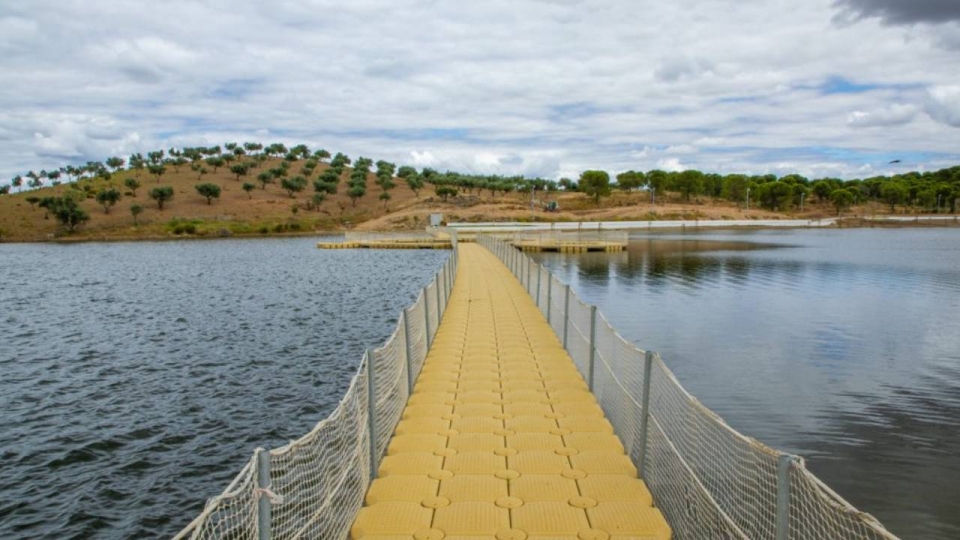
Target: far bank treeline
296,169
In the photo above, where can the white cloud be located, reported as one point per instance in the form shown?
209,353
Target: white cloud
709,141
894,115
677,67
540,91
681,149
943,105
671,165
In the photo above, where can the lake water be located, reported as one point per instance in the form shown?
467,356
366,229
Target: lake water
842,346
137,378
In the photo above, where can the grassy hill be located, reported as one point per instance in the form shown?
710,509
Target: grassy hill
273,211
236,212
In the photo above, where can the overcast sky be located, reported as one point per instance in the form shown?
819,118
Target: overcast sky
549,88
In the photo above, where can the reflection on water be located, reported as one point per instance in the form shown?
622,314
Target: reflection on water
137,378
842,346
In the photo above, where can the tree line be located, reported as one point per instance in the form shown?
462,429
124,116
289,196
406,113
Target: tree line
297,171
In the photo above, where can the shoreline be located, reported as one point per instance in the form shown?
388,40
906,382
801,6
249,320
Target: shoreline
885,222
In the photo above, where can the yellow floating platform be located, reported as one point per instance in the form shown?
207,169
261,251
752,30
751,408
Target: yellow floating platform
385,244
570,247
501,439
560,247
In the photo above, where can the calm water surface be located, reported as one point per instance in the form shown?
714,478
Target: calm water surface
136,379
841,346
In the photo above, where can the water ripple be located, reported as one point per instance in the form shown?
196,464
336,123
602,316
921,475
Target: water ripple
841,347
138,378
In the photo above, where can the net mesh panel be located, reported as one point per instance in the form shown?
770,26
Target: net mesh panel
543,280
418,337
618,395
433,317
390,387
323,476
740,474
557,313
812,504
233,513
707,479
578,334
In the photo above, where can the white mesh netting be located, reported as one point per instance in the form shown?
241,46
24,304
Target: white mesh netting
707,479
317,483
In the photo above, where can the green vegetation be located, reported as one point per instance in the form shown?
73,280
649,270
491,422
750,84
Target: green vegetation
210,191
135,211
595,184
445,192
132,184
68,212
273,167
293,185
162,195
107,198
841,199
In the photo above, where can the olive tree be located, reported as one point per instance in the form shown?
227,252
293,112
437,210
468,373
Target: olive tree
415,183
157,170
293,185
162,195
210,191
132,184
595,184
321,186
894,193
248,187
115,163
631,180
107,198
841,199
240,169
356,192
69,213
265,178
444,192
136,210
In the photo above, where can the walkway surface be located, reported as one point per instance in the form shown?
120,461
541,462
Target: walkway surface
501,438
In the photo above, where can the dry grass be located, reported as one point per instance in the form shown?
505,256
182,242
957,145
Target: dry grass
268,212
235,211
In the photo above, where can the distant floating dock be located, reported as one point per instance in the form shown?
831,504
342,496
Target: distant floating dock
385,244
552,241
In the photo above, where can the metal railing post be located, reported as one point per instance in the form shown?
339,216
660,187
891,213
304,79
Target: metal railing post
529,270
426,317
539,278
645,414
593,345
441,292
439,309
783,497
372,413
264,524
566,314
450,277
409,352
549,297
